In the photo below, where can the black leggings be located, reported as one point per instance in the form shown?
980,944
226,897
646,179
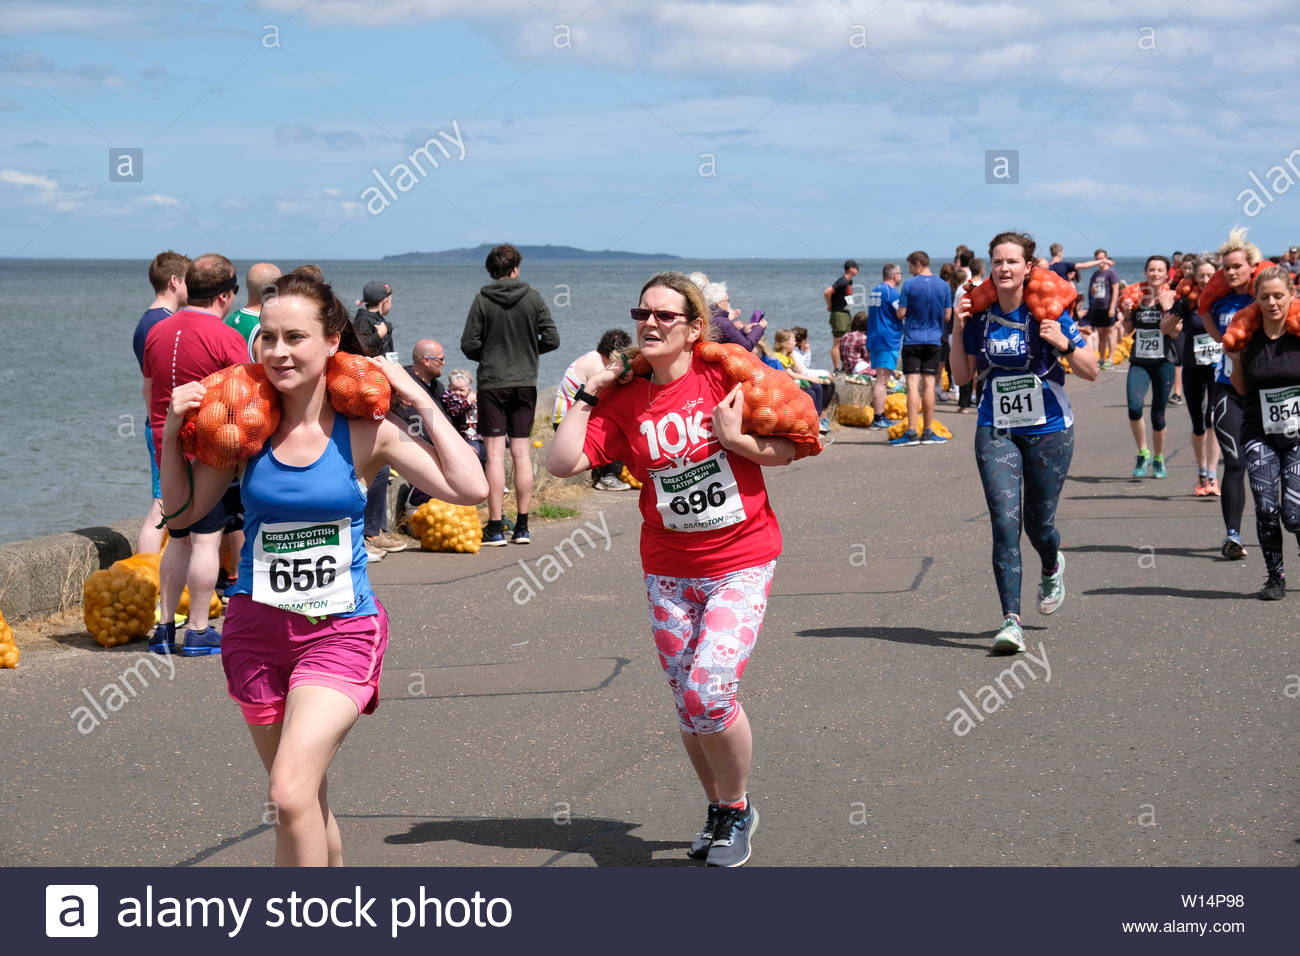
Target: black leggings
1275,482
1160,379
1227,428
1198,386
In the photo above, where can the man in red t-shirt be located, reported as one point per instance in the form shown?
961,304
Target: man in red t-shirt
185,347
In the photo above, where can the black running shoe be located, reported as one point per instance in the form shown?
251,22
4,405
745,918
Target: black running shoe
731,837
1274,588
700,845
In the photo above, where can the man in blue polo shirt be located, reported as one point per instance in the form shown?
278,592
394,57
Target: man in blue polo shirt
924,305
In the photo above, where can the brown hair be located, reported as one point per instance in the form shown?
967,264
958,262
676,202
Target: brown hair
688,290
332,313
1021,239
205,272
310,271
919,258
502,260
164,266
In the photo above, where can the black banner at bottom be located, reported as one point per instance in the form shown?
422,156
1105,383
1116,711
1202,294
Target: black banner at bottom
653,911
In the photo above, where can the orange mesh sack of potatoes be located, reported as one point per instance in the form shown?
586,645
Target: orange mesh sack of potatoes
239,412
446,527
121,602
896,406
1218,287
774,404
1247,321
899,428
858,416
357,388
1046,294
8,649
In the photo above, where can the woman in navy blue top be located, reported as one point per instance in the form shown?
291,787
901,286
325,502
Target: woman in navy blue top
1024,436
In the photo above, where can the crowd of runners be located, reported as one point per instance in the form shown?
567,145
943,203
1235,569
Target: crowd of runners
710,538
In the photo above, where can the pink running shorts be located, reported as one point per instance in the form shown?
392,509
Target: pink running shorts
267,652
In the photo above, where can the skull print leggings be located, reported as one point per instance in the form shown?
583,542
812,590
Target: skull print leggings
705,630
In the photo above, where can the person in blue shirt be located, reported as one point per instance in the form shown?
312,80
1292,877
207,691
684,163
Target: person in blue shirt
1024,436
924,306
1239,260
167,276
884,336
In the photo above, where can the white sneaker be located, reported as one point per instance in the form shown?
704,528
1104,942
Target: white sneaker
1010,639
374,554
1051,590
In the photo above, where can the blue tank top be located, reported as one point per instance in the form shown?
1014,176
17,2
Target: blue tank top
327,490
1222,311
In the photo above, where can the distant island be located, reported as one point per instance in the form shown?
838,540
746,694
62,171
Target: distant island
479,253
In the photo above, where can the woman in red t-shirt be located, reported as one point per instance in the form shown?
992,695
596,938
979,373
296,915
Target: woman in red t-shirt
709,538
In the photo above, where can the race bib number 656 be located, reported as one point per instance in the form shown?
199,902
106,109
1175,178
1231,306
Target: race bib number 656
305,567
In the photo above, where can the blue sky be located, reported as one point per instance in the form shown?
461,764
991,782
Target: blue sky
814,129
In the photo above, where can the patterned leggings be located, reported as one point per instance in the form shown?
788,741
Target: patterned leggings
705,629
1275,482
1009,465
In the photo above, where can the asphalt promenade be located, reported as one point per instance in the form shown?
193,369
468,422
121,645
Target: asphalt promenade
529,724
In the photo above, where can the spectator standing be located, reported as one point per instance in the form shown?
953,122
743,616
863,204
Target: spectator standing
924,306
375,334
248,320
884,336
837,304
507,328
186,347
167,276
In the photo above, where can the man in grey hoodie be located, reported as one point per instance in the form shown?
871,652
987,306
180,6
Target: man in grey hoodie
508,327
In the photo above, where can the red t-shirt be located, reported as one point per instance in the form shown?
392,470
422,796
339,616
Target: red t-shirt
186,347
705,510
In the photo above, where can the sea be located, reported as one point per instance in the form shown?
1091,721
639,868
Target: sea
72,416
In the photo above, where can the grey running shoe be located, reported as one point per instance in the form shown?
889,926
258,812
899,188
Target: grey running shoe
700,845
732,835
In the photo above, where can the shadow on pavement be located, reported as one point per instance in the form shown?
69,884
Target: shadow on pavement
607,842
1149,591
913,635
1213,554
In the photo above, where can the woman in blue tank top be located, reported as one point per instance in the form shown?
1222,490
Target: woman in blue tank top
304,638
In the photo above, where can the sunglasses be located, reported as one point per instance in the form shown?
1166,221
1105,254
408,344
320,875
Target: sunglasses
435,358
662,316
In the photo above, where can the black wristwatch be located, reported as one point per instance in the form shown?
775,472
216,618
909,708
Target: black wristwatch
582,395
1068,351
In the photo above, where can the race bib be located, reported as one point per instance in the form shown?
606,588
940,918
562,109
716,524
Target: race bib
1018,401
305,567
1206,350
699,497
1280,408
1149,344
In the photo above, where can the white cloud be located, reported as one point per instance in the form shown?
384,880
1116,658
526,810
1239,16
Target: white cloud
158,199
18,178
